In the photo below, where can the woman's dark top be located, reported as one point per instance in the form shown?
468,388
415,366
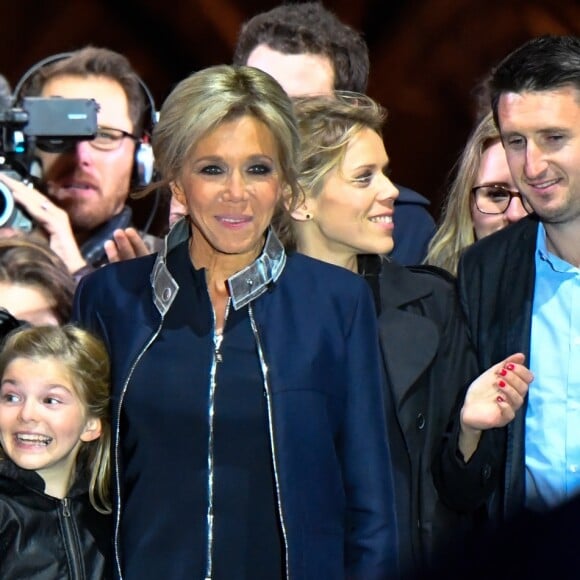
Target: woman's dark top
166,424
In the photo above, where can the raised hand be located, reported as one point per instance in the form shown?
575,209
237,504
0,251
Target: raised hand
492,400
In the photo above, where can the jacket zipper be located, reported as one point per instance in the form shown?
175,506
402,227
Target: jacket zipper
116,449
70,536
217,358
264,366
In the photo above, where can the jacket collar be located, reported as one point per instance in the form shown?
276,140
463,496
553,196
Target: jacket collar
409,340
244,286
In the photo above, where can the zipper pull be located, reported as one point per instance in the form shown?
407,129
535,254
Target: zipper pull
65,508
217,341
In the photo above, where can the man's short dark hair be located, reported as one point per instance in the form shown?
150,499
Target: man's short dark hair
309,28
540,64
94,61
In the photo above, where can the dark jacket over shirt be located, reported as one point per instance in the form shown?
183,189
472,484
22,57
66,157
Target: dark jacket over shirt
496,282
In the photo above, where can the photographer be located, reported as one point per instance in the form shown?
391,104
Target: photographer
85,189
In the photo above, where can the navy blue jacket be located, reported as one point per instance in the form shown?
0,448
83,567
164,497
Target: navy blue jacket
414,227
316,326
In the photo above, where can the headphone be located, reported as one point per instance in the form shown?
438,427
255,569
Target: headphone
143,162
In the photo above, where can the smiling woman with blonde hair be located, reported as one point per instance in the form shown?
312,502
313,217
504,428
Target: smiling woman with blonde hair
246,380
345,218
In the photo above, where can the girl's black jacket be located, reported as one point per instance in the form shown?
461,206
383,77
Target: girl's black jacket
45,538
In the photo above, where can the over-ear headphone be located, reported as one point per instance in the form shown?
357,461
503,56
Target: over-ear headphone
143,164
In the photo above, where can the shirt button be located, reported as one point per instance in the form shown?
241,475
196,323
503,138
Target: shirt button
573,468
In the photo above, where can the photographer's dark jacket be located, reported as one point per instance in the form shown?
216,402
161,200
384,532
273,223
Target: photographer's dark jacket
429,363
315,334
45,538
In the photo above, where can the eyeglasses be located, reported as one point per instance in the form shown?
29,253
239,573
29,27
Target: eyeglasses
495,199
109,139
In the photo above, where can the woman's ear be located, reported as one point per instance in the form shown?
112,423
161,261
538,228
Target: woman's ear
304,212
93,430
177,192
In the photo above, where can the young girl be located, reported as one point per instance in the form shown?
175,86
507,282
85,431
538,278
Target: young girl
54,454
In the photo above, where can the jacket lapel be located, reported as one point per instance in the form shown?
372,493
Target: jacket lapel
409,341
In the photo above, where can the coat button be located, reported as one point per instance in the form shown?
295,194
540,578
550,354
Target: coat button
486,472
420,421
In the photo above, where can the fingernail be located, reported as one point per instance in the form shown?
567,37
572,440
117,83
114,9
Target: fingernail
500,399
501,384
503,372
510,367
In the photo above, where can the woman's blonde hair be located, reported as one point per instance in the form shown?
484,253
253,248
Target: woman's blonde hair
327,125
455,231
87,362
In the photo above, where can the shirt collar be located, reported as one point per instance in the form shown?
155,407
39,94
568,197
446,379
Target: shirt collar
544,255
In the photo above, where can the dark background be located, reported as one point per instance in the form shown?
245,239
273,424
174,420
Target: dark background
426,55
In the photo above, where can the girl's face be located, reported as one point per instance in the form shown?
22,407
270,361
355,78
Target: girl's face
353,214
43,421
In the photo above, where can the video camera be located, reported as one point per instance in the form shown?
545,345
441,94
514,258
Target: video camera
53,124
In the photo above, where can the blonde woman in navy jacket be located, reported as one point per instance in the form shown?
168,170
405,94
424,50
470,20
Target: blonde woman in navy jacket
249,436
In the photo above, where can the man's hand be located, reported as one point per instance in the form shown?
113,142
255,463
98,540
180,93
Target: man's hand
492,400
125,245
52,219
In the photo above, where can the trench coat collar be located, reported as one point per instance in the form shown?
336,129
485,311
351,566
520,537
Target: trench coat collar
409,341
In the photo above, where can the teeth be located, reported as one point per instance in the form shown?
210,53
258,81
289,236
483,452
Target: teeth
545,184
382,219
31,438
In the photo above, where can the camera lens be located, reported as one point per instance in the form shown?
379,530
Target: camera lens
12,216
7,205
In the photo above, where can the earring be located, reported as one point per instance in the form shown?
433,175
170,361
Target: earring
307,216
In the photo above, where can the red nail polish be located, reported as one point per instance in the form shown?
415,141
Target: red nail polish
503,372
500,399
510,366
501,384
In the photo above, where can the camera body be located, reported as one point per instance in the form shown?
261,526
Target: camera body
53,124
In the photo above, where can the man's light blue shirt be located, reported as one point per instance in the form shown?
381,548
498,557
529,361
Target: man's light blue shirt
553,413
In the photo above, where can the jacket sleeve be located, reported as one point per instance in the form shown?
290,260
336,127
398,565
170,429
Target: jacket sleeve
371,538
85,312
466,486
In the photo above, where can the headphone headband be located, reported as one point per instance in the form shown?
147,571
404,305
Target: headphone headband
149,100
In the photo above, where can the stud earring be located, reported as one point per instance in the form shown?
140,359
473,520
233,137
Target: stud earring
308,216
